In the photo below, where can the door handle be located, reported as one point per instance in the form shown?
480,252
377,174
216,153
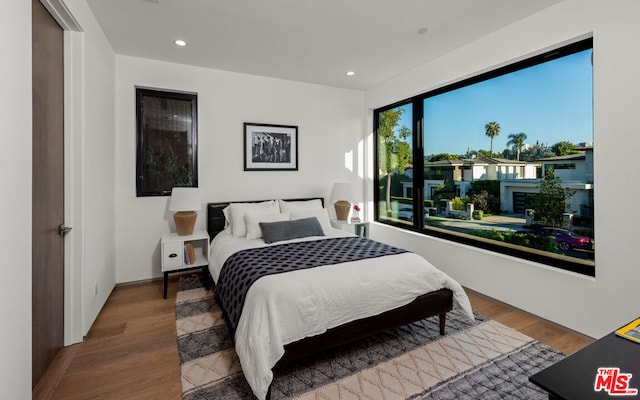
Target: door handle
63,230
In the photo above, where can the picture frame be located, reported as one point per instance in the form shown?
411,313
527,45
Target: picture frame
270,147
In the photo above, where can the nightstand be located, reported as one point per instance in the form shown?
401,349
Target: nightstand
176,252
359,228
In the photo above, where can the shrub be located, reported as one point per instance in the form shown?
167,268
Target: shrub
491,186
486,195
530,241
457,204
481,201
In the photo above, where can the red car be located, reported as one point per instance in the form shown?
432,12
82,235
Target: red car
565,239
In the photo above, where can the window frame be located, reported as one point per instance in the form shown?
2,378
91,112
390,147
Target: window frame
418,164
142,92
586,267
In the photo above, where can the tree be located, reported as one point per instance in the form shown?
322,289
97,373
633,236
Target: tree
563,148
446,190
536,152
396,151
442,156
481,200
517,140
492,129
550,203
489,203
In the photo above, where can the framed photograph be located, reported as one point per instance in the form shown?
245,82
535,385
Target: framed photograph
270,147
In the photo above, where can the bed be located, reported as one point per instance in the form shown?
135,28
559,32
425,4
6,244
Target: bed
290,315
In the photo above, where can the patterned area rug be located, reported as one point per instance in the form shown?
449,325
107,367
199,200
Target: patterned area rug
483,360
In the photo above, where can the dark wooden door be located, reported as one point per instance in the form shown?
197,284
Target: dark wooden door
48,190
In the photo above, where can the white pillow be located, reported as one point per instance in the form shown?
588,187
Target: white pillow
253,222
321,214
237,212
314,204
227,217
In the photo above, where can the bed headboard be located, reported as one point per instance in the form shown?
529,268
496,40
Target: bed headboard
215,217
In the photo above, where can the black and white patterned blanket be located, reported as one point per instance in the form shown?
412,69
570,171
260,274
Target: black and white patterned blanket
245,267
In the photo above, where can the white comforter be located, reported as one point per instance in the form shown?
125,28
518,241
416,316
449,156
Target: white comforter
283,308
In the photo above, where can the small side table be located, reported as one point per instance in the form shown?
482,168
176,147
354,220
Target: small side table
173,248
359,228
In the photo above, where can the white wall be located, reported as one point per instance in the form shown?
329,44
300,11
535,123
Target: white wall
15,174
330,131
594,306
91,85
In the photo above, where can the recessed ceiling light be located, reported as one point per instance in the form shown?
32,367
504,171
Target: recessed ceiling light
351,73
180,42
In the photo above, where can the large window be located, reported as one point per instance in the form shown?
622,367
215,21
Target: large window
502,161
166,141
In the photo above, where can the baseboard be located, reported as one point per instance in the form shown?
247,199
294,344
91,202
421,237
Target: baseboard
49,382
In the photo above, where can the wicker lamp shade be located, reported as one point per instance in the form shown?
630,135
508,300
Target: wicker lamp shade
185,203
342,209
185,222
341,194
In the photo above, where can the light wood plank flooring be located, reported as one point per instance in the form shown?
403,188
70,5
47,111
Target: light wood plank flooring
130,352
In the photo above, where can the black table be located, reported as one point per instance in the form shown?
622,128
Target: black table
574,377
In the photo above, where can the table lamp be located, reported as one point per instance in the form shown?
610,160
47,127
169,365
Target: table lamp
341,194
185,202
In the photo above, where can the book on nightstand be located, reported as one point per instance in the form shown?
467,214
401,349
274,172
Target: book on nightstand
630,331
192,253
187,261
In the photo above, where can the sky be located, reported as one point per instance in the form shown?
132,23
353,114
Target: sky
550,102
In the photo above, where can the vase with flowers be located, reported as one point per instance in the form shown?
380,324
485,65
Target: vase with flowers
355,215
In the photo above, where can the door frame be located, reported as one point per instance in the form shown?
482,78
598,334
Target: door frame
73,161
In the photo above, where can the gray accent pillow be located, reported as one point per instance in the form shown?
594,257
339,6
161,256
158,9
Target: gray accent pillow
285,230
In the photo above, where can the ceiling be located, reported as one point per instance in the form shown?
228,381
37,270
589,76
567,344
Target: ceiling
314,41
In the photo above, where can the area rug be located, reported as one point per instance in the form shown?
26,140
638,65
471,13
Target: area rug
481,360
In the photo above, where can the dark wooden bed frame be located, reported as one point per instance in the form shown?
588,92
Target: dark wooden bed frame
438,302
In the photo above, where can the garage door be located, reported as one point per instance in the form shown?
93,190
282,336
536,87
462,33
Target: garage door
522,201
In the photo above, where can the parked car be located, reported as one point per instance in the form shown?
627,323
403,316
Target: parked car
406,213
565,239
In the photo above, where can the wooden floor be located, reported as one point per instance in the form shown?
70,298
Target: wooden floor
130,352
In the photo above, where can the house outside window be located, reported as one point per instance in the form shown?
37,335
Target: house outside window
501,161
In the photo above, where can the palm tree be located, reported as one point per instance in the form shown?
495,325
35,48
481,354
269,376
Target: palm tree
492,129
517,140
